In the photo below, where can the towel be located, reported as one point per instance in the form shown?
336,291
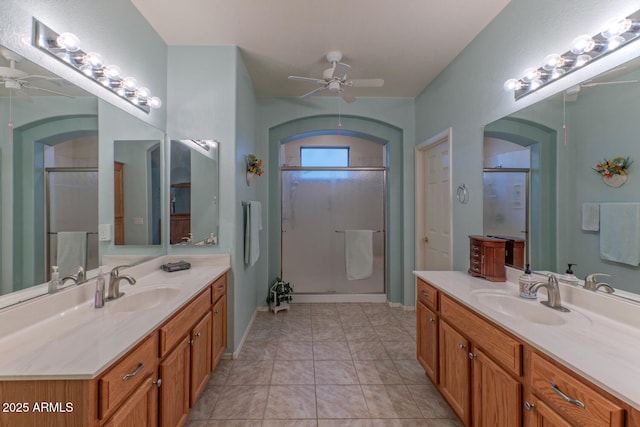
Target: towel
72,252
620,232
591,216
252,227
359,254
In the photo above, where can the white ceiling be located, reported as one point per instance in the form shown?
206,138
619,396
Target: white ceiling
405,42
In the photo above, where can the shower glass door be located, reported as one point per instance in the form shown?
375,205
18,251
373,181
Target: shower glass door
318,205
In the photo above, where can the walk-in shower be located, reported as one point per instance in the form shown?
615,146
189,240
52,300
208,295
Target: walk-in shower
331,184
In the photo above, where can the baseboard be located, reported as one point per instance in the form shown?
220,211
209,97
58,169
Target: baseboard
236,353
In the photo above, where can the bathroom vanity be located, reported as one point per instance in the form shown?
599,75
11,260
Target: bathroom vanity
142,360
500,360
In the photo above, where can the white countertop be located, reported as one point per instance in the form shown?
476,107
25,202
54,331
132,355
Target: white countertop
78,341
605,349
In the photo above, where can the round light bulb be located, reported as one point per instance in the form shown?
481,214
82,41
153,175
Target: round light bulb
552,61
143,92
155,102
121,91
616,26
87,70
69,42
581,60
130,83
113,72
535,84
582,44
512,84
529,74
557,72
615,42
94,59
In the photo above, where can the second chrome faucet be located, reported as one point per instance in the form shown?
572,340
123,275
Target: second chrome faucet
114,282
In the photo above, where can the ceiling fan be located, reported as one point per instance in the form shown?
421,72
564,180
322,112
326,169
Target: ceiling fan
16,80
334,79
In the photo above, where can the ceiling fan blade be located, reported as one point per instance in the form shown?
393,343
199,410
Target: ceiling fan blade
347,97
26,86
307,79
314,92
365,83
609,83
340,70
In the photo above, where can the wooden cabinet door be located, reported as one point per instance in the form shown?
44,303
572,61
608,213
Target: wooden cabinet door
200,357
219,326
140,409
544,416
497,397
427,341
455,378
174,390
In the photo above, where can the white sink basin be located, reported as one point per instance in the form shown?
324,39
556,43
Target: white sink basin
143,300
528,310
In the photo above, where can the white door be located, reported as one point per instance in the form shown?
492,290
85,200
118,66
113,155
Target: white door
433,204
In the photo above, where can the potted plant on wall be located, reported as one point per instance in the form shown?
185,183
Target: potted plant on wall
614,172
254,167
280,295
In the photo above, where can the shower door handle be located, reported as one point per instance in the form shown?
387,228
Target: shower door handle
426,239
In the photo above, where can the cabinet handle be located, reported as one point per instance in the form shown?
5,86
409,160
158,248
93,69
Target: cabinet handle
192,342
425,294
559,392
462,346
134,373
158,383
529,406
472,356
216,311
221,288
431,320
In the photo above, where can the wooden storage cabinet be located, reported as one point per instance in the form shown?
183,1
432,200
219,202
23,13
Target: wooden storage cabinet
427,341
570,399
140,410
218,320
200,357
486,258
455,371
174,390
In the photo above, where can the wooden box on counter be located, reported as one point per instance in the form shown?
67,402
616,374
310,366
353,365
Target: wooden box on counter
486,258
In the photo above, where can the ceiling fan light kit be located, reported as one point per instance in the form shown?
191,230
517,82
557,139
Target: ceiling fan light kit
616,32
334,79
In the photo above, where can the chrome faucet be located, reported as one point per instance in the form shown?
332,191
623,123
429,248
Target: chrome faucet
114,282
591,283
553,293
80,277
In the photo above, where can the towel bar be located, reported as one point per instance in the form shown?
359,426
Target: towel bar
375,231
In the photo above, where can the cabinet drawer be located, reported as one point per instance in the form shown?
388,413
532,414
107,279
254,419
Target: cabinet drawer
219,288
427,294
126,374
505,350
180,325
581,404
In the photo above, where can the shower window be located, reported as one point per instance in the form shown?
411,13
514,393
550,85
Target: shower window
334,157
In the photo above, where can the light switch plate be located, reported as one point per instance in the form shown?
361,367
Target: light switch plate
104,232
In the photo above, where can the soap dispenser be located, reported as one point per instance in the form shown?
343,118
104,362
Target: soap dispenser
55,280
569,277
525,282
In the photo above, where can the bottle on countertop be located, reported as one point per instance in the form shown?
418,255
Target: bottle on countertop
99,296
525,282
55,280
569,277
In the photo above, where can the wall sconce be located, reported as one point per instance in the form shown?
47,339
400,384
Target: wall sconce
66,48
584,49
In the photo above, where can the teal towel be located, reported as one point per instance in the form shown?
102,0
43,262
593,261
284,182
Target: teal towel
620,232
252,227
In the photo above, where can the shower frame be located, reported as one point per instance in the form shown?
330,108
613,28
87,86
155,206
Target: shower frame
382,169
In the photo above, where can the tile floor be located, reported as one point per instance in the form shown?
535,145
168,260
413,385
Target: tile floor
325,365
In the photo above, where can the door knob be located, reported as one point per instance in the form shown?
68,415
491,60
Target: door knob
426,239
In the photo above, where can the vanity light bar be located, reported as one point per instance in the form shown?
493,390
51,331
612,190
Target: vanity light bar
584,49
66,48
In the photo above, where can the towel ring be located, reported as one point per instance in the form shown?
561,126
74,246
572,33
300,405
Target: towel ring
462,194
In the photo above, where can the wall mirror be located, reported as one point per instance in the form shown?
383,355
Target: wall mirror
51,166
600,120
193,192
137,190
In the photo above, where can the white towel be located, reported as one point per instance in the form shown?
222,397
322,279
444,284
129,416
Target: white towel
591,216
620,232
72,252
359,254
252,227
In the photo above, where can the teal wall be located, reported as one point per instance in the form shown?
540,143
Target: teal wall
469,93
390,119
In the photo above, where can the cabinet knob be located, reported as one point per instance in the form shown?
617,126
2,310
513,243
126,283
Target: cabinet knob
192,342
431,320
462,346
426,239
529,406
216,311
198,334
472,356
158,383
